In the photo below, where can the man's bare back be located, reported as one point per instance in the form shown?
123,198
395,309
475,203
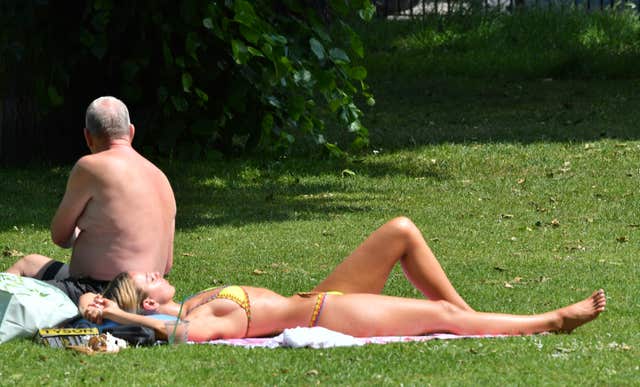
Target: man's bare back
128,221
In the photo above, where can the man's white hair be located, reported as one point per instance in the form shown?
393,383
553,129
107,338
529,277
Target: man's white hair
107,117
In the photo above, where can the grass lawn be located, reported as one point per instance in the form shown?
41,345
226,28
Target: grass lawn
526,190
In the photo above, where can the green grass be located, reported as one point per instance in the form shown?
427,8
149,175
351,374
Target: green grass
295,220
532,44
484,167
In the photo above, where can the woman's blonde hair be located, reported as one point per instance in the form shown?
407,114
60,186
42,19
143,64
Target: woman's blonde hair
122,290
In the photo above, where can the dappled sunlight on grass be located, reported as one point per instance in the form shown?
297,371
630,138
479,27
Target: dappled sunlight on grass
524,45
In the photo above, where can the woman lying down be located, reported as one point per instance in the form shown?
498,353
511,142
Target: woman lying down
347,301
242,311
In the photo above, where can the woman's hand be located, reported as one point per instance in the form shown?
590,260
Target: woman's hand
109,308
93,311
100,308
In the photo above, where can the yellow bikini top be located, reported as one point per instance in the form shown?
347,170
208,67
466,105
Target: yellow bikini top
236,294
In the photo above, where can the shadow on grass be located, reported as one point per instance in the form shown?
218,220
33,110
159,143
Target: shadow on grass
503,78
427,111
236,192
248,192
30,196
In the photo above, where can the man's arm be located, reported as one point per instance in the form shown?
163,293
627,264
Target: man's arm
76,196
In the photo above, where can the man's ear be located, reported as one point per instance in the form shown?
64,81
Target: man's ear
149,305
132,132
88,138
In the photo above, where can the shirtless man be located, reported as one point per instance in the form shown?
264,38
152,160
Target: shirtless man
117,213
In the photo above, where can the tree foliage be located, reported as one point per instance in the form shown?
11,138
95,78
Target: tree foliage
228,75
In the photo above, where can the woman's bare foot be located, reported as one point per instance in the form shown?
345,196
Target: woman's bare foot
582,312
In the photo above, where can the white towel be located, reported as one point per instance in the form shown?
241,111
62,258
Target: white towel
316,337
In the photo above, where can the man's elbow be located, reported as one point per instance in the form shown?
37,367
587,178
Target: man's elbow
61,240
64,240
58,240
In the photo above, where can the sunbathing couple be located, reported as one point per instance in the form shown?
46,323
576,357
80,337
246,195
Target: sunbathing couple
117,215
347,301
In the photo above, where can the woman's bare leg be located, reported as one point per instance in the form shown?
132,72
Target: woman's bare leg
368,315
32,265
366,270
560,320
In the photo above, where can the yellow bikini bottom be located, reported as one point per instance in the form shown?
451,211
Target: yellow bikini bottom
317,308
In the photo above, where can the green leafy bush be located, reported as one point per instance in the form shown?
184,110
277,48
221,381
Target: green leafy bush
205,75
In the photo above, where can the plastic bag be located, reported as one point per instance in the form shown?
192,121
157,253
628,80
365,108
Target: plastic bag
27,304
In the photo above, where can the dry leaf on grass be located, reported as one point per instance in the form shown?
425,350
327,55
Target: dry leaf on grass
7,252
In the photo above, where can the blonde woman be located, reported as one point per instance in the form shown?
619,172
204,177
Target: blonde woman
347,301
241,311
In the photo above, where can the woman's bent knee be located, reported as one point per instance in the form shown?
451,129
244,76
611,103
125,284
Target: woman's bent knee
402,225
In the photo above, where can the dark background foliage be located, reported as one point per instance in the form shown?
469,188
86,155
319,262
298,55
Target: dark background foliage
201,78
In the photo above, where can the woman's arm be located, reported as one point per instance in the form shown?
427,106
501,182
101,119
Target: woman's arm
110,310
202,327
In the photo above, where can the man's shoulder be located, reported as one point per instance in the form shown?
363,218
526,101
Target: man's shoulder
92,158
115,162
85,163
98,165
106,158
91,163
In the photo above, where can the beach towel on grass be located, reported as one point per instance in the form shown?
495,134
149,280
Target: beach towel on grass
318,337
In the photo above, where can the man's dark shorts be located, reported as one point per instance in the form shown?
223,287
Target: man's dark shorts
57,274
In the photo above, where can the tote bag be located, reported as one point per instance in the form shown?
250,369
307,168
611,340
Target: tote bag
27,304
